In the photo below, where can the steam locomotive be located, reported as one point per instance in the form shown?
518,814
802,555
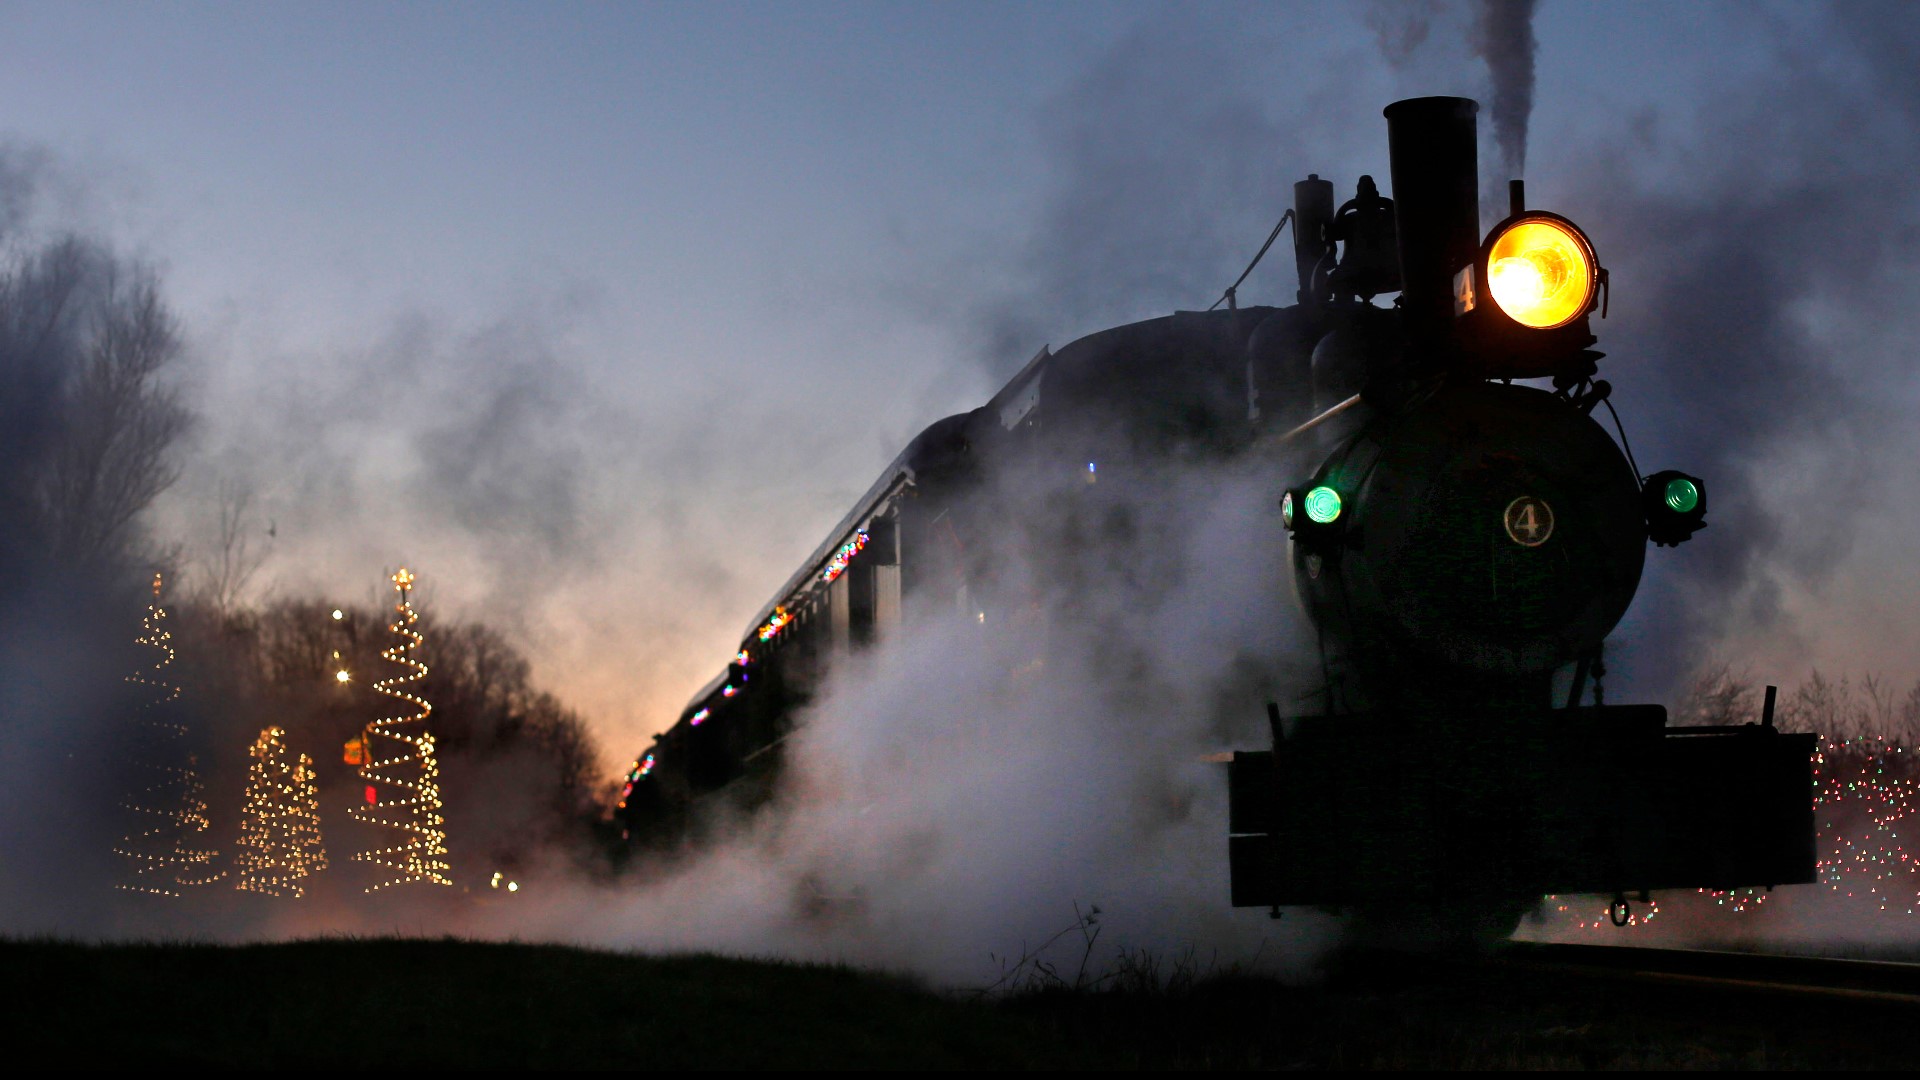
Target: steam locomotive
1461,530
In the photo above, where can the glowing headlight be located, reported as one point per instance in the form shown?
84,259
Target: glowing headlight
1541,272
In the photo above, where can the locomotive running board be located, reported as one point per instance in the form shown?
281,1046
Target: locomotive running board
1359,810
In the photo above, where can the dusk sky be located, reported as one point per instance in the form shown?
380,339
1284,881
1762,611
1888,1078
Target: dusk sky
599,315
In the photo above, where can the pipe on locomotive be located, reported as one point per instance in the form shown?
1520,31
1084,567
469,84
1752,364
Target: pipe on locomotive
1433,157
1312,211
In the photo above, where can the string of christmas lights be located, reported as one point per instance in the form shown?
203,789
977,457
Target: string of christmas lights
279,822
775,624
167,804
636,774
307,851
838,564
1738,901
1639,915
740,659
1864,792
411,767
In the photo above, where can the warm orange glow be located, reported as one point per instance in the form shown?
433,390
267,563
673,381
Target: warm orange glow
343,676
1541,273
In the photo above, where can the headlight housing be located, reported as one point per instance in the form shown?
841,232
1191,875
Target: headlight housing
1541,271
1675,505
1522,303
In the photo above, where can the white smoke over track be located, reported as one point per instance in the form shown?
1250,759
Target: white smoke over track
958,790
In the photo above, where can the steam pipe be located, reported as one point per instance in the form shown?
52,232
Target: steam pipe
1312,211
1432,145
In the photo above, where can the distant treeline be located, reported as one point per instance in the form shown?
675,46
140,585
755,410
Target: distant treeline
1839,709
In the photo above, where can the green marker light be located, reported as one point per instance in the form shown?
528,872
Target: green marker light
1681,495
1323,504
1286,510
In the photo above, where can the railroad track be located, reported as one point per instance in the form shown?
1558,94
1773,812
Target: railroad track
1803,976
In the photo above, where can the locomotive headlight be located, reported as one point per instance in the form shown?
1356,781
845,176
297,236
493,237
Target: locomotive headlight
1541,272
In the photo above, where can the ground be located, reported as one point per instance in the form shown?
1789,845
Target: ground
453,1004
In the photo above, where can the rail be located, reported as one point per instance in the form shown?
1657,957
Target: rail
1809,976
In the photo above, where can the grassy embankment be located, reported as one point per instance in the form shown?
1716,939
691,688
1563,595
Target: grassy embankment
451,1004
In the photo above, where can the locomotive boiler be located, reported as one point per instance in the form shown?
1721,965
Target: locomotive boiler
1462,534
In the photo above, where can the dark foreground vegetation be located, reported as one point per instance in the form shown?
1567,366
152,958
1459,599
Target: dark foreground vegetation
449,1004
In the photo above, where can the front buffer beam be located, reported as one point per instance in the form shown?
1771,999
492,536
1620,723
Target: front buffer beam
1376,809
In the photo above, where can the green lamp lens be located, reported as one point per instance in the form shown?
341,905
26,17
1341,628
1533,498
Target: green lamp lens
1323,504
1286,509
1681,495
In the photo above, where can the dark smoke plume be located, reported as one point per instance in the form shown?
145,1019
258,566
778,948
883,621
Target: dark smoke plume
1503,37
1399,30
1758,347
1160,187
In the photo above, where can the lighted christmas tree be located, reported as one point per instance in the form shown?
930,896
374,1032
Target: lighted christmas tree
403,779
280,823
168,811
307,852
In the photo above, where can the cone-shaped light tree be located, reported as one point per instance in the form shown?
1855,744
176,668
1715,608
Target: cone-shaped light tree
307,853
167,809
279,825
402,776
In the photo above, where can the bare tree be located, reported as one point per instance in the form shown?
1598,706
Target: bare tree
38,308
90,419
37,304
231,562
119,421
1719,695
566,739
1879,711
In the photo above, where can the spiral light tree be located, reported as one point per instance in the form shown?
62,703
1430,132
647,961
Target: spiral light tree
279,825
167,809
403,785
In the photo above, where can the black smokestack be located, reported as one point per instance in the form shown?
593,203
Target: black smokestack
1432,150
1503,37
